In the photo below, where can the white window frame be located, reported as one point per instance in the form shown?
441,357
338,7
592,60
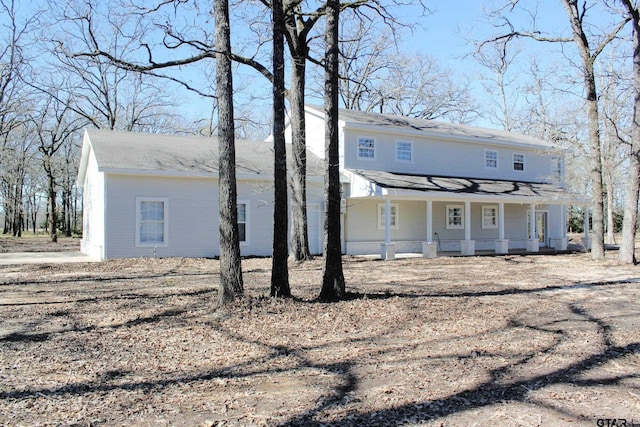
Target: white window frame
487,159
247,222
556,168
165,219
518,161
450,225
362,149
410,151
494,217
395,216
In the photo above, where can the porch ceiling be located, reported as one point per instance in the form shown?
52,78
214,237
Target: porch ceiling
447,186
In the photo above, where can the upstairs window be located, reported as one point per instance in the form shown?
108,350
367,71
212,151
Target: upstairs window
556,168
393,220
404,152
366,148
518,162
151,221
490,159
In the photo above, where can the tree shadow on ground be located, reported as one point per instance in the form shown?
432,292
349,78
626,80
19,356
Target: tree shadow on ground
493,391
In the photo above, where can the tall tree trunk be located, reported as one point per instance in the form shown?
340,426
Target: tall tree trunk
629,222
53,218
610,236
299,224
299,49
333,285
591,96
230,262
279,269
17,207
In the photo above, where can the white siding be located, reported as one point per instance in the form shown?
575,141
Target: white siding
193,216
93,210
362,221
315,134
446,158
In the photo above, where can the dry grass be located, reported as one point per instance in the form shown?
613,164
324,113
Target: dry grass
512,340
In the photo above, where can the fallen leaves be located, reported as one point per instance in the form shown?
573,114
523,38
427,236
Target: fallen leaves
139,342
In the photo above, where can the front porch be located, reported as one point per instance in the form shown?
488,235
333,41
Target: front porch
435,228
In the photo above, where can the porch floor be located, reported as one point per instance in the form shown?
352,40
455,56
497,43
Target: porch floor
572,248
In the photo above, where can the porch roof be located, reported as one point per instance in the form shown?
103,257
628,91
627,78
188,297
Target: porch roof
475,188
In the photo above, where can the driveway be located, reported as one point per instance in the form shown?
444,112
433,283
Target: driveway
13,258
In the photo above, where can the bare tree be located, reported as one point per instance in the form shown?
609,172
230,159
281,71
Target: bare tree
333,284
107,96
55,124
627,247
498,60
577,14
15,38
374,77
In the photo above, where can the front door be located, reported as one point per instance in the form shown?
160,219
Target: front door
541,227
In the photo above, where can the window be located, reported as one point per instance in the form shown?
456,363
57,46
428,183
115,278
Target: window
518,162
243,221
393,220
455,216
366,148
404,152
152,222
556,168
489,217
490,159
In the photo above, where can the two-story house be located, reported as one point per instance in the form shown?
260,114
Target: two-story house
413,185
408,186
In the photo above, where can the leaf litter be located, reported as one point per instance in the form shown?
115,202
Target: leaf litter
538,340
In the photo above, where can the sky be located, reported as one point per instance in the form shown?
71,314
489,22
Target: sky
443,34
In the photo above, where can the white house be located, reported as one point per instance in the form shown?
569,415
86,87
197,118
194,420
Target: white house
150,195
413,185
408,185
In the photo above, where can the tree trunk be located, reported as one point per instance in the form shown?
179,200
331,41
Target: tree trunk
629,222
53,234
333,285
591,96
299,224
298,48
610,236
279,269
230,263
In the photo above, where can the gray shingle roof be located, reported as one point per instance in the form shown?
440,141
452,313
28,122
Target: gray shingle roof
468,186
431,128
188,155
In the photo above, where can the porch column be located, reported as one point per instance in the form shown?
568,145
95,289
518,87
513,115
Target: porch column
586,240
467,246
502,245
533,244
560,243
429,247
429,221
388,249
387,221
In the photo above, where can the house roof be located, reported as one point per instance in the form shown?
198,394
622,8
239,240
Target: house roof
141,153
433,128
464,187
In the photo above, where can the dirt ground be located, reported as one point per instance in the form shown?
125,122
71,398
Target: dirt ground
506,340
